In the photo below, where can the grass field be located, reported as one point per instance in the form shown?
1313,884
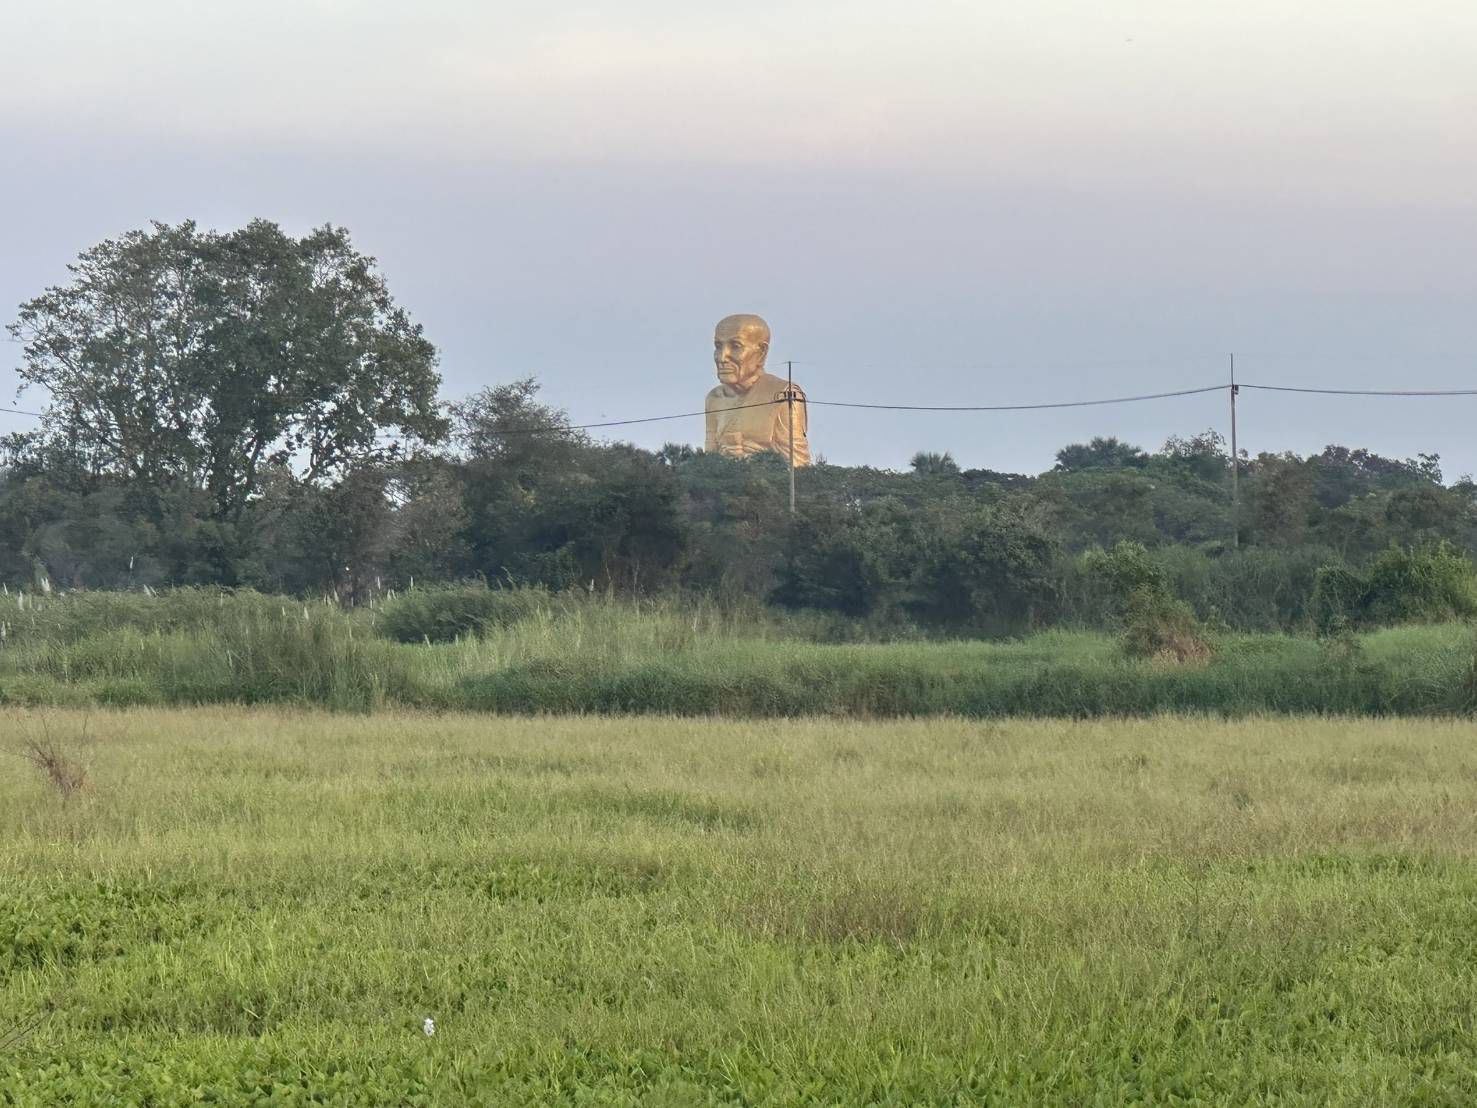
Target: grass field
263,906
563,655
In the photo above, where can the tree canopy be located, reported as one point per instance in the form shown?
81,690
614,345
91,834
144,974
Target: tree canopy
176,356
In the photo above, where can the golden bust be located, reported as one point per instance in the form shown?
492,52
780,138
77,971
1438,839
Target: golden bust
747,413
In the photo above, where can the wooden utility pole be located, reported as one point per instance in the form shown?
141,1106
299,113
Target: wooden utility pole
790,404
1235,466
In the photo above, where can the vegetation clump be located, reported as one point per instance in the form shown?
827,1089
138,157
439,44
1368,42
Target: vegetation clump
1156,624
1164,629
449,612
1428,584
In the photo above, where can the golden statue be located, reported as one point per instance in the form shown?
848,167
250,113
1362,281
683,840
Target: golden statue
748,413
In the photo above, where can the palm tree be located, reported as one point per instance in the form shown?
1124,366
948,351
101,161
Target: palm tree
925,463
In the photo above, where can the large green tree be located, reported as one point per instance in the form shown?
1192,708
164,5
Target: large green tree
181,357
544,504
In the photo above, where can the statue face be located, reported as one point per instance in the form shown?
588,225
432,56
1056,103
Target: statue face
739,349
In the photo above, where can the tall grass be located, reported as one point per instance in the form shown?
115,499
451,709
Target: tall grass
545,653
196,647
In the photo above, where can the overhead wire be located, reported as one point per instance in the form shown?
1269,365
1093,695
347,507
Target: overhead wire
679,415
1016,407
1057,404
1360,392
546,427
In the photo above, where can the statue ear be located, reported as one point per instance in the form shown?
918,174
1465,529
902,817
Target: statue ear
764,349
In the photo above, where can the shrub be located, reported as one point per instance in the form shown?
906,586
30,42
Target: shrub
1163,629
995,569
1248,589
1124,573
854,562
1426,584
1156,624
1338,598
455,611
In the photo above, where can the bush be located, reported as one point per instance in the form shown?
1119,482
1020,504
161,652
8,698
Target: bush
960,566
994,569
1163,629
1250,589
854,562
1338,598
1427,584
456,611
1156,624
1125,572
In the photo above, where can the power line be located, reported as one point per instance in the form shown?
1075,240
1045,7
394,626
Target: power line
1363,392
1016,407
660,418
549,427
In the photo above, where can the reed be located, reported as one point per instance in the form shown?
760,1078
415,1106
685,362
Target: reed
538,653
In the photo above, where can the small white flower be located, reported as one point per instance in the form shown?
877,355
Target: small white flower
429,1027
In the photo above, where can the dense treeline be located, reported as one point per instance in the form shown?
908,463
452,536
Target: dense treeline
252,410
969,551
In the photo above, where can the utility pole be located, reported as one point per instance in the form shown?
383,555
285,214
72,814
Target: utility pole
1235,466
790,404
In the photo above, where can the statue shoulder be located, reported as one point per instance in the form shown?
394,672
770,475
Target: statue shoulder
774,387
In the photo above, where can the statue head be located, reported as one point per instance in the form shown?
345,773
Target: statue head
740,345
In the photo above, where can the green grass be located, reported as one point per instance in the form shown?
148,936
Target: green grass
565,655
262,906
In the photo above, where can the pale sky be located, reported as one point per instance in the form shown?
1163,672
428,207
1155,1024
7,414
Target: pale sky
934,202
